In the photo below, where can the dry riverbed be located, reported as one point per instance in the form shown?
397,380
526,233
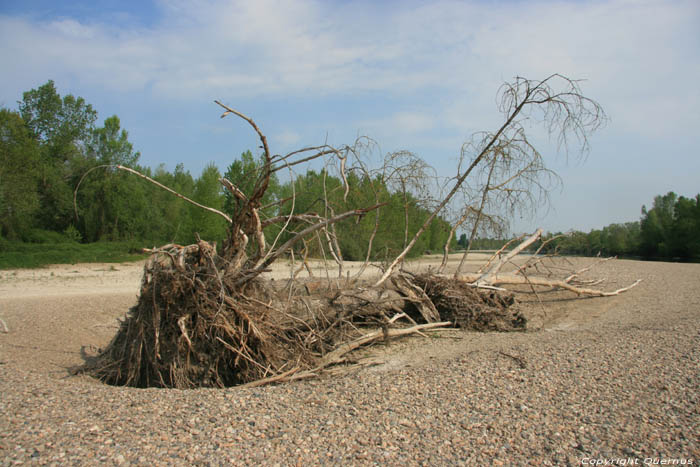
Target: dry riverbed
606,379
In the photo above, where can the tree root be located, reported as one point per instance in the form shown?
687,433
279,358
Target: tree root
194,326
339,353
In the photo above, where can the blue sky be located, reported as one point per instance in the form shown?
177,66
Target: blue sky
414,75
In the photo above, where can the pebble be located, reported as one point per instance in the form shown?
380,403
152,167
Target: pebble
593,391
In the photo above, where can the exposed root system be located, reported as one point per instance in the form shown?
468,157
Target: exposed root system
209,320
188,329
192,327
473,308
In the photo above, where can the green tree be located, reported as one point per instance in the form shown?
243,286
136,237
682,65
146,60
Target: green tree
656,226
438,232
595,242
208,191
685,231
615,240
19,164
463,241
307,192
112,203
324,194
61,127
243,173
110,144
171,215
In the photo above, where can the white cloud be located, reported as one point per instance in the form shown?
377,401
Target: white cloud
70,28
286,138
244,48
641,57
403,123
412,74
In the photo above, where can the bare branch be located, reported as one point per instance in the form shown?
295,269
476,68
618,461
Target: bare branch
337,355
501,279
493,270
159,185
248,275
564,113
250,121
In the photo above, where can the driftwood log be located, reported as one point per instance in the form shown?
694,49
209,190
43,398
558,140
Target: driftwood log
195,327
206,317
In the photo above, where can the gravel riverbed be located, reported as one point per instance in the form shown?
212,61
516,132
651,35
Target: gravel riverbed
608,379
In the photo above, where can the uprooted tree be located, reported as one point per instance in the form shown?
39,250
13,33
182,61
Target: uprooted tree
206,317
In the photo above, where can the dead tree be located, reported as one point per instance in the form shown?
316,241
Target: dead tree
205,317
513,179
409,175
565,111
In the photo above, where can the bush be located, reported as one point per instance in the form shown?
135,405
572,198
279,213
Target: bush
72,234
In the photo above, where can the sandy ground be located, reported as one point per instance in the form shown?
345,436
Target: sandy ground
653,330
55,313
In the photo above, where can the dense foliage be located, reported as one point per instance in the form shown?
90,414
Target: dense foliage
52,144
669,230
312,189
612,240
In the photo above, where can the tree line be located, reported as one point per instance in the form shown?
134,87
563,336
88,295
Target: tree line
669,230
52,144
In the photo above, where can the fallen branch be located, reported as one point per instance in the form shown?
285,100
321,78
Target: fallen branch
485,278
169,190
496,254
336,356
418,297
291,375
501,279
588,268
248,275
